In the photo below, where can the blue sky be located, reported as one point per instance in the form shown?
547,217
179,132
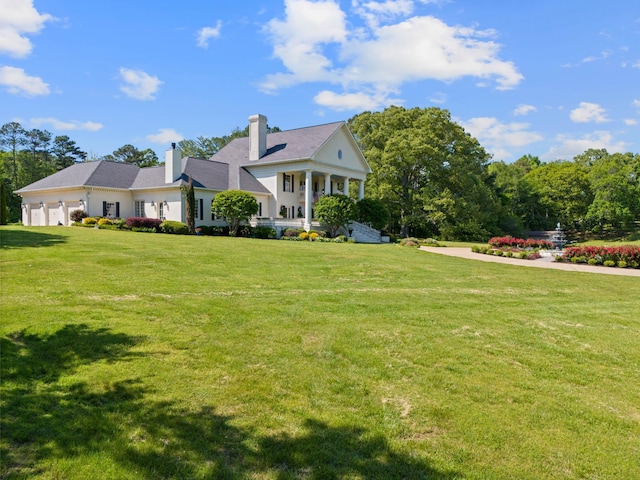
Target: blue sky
547,78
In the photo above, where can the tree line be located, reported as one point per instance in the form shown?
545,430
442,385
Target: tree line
438,181
429,174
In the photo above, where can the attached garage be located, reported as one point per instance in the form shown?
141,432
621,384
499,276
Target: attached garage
53,214
35,215
70,207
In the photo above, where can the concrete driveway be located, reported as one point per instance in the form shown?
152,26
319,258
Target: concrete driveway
545,262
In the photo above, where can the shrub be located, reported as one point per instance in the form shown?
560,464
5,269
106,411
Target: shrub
173,227
429,242
89,221
264,232
143,229
622,264
77,215
592,261
410,242
313,236
523,255
143,222
509,253
303,236
104,221
290,232
609,263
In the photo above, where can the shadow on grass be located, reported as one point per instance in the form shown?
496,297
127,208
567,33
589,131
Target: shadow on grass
21,238
49,419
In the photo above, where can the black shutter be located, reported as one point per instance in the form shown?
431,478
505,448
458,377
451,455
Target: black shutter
284,185
104,209
117,209
293,189
201,208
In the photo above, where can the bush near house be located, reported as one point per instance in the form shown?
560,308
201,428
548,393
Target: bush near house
77,215
624,256
143,222
173,227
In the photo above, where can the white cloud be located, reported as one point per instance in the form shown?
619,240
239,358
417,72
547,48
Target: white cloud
18,19
376,12
630,121
636,103
139,85
204,34
62,125
352,101
17,82
315,44
568,147
500,138
165,135
588,112
524,109
438,98
604,54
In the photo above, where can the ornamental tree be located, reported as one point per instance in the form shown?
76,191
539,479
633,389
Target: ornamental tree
237,206
335,211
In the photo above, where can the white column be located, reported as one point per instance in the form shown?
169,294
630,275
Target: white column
327,184
308,197
346,186
361,191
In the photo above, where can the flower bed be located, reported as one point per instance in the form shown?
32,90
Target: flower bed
625,256
510,252
519,243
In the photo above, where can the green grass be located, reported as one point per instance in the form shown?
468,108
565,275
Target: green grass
144,356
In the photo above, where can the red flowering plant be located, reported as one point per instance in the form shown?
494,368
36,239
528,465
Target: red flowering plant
625,255
519,243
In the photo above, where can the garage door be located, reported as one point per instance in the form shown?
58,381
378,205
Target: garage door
36,215
70,207
53,213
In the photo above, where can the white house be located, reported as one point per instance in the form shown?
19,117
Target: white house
286,171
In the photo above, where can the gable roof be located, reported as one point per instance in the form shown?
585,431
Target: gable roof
297,144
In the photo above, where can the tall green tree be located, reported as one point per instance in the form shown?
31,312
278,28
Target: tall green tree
66,152
205,147
236,206
12,136
190,206
130,154
3,203
615,182
564,193
335,211
38,162
431,174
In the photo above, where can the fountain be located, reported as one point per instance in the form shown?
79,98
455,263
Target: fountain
558,239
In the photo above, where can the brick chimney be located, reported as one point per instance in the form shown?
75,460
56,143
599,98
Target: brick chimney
172,164
257,136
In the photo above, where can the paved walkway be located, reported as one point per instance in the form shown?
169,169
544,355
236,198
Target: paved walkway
545,262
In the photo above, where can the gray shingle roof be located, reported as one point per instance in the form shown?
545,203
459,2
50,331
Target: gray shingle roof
222,172
300,143
101,173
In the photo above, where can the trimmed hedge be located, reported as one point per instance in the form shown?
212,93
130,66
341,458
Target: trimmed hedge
143,222
173,227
